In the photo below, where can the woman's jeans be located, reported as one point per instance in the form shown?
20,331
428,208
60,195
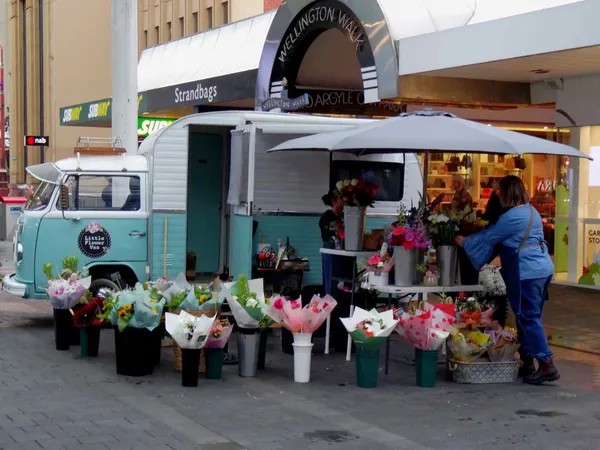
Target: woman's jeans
532,336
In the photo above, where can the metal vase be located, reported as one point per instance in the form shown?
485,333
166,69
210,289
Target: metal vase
446,260
404,266
248,341
354,227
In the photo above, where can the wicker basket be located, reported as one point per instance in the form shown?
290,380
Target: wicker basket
484,372
177,348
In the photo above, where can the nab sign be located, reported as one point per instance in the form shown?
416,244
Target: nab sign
37,141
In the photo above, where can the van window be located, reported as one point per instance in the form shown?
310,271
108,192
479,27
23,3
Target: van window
387,175
41,198
103,193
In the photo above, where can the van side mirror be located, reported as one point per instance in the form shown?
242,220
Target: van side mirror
64,197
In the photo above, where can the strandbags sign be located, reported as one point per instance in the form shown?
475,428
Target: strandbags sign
148,126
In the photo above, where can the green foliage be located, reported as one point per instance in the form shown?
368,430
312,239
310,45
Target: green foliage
47,268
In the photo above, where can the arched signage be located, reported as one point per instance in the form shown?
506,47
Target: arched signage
296,26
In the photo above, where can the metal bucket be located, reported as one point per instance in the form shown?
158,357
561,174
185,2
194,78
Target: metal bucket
354,227
404,266
446,260
248,340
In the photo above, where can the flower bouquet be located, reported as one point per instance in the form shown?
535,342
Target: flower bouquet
369,330
64,292
357,196
378,268
469,345
469,312
442,231
494,291
503,345
134,315
214,348
426,329
302,322
246,298
89,324
190,333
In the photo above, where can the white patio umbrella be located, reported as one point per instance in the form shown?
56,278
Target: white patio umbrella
427,131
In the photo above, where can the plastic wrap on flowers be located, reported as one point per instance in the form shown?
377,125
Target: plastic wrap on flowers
246,299
370,328
64,294
468,346
291,315
190,332
136,309
427,329
219,334
503,346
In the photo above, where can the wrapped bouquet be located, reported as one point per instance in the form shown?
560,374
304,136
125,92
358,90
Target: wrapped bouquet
190,332
134,308
219,334
246,298
291,315
503,345
68,288
468,346
492,281
425,329
370,328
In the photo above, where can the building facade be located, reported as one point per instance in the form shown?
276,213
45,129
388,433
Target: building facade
59,54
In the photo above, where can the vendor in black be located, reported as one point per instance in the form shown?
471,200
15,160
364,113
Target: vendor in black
331,225
331,222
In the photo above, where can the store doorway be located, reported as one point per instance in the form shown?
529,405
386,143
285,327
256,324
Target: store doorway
205,219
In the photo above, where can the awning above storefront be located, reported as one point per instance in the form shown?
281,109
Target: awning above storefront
222,51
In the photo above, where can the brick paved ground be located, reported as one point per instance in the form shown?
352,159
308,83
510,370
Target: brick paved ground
51,399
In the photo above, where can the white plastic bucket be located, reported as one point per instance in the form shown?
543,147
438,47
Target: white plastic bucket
302,356
379,279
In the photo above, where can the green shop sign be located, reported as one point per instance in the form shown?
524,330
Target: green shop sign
147,125
97,111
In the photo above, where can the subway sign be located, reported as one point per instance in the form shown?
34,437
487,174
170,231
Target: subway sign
148,126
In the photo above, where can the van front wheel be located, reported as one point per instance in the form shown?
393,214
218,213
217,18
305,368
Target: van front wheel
103,287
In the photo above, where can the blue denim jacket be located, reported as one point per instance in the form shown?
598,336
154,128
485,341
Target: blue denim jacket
534,260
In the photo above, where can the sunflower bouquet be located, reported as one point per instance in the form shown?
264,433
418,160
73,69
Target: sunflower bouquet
134,308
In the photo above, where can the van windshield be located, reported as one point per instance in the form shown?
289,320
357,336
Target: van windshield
41,198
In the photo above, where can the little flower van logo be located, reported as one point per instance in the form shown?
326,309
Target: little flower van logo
94,241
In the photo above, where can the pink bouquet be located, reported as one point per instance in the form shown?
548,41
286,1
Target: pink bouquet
219,334
380,263
291,315
410,237
426,329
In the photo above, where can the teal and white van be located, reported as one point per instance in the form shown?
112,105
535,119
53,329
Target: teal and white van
205,185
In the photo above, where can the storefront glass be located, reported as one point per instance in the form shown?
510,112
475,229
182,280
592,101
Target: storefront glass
545,177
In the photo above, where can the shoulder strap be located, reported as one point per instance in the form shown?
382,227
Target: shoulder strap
529,227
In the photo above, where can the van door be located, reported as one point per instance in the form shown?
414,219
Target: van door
106,223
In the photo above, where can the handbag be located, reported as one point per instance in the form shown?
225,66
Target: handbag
453,163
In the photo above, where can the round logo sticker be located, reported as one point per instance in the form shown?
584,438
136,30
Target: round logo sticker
94,241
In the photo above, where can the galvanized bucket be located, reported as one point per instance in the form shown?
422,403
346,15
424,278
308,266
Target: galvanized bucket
354,227
404,266
446,261
248,352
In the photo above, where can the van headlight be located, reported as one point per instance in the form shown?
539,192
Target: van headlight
19,254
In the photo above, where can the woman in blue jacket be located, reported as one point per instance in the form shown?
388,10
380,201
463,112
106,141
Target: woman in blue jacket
526,269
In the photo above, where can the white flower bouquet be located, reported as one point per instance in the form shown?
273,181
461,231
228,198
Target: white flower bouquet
69,287
190,332
492,282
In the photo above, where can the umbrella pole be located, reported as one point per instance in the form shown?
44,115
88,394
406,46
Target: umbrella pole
425,172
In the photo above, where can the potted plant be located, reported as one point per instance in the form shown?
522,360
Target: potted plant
357,197
378,268
64,292
89,324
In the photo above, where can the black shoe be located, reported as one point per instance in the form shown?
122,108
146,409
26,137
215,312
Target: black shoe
545,374
527,366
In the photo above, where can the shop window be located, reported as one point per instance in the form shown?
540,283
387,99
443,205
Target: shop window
103,193
225,6
209,17
388,176
195,23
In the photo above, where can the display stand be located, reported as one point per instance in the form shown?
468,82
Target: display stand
405,293
345,254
